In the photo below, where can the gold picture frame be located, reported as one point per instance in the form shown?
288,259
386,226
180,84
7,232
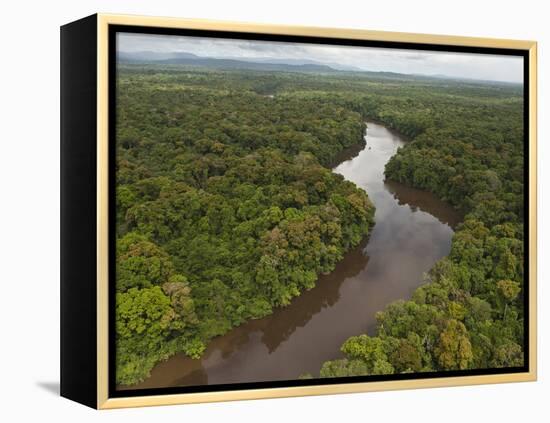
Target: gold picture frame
97,395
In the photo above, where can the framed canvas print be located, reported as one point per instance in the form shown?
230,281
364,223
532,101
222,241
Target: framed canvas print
255,211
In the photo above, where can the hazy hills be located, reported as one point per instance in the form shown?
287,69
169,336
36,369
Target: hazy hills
224,63
278,64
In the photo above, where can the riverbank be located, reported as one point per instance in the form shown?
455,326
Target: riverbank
412,228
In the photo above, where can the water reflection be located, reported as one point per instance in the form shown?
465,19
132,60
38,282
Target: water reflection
284,322
424,201
413,230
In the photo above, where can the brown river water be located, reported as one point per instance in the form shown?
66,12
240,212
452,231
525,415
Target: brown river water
413,230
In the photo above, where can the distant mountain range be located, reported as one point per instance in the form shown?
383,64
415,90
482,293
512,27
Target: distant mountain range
299,62
260,63
273,64
224,63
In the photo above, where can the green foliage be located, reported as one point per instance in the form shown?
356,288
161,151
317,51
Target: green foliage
342,368
467,148
227,208
454,350
140,263
144,318
371,351
226,204
508,289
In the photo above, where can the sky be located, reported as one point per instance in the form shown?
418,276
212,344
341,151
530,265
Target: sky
457,65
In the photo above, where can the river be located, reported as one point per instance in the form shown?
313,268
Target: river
413,230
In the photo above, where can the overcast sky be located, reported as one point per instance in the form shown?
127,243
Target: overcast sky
461,65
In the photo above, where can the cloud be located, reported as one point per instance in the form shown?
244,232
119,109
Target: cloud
460,65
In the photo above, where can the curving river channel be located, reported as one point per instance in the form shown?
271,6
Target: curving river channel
413,230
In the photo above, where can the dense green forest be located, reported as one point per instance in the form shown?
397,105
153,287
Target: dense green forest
467,148
227,208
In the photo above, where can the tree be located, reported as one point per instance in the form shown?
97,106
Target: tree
508,355
217,171
144,318
454,350
508,291
407,357
179,292
140,263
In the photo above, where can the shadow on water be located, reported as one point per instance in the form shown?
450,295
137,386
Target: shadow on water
424,201
413,230
326,293
271,331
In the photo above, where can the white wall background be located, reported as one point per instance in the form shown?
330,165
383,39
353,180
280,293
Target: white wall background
29,211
